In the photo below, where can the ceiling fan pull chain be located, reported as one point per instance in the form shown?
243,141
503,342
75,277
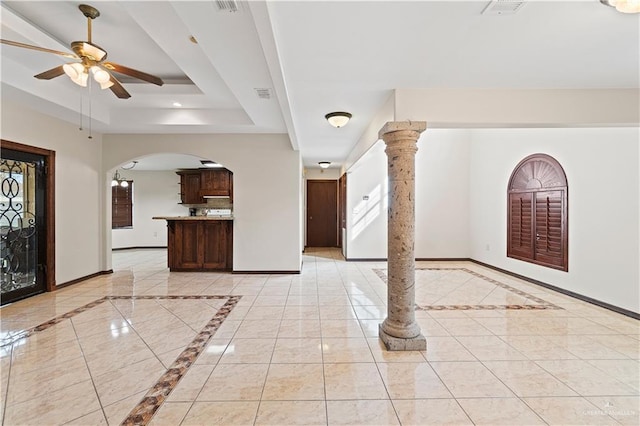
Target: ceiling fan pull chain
90,87
80,112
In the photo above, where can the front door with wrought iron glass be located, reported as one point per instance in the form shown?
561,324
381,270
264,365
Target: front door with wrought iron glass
22,225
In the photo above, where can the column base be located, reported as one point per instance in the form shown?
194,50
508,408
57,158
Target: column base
392,343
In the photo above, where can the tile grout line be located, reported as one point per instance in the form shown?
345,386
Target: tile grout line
324,377
266,376
86,363
6,398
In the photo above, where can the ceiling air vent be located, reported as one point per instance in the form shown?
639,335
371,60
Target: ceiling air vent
227,5
263,93
503,7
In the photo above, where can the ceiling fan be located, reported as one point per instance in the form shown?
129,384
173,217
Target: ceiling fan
92,61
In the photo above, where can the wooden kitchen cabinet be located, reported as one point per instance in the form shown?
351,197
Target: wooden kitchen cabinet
197,184
200,245
190,182
217,183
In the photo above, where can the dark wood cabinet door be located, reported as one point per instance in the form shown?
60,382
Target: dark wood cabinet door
214,238
192,189
216,183
185,250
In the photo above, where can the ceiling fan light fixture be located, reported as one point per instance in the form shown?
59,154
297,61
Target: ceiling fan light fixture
338,119
106,85
76,73
623,6
100,75
90,55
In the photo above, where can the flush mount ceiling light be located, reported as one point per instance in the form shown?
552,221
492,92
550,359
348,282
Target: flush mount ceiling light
338,119
624,6
212,164
324,164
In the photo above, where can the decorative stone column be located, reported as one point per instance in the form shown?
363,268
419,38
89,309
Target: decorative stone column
399,331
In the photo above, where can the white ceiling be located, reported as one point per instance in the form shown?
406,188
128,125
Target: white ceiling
314,56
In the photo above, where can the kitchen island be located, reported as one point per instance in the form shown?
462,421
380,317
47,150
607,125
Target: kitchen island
199,243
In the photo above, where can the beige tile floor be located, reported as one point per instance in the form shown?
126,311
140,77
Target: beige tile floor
302,349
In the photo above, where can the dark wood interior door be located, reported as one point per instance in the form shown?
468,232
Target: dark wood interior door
322,213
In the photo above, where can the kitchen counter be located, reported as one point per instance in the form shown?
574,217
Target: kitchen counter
199,243
193,217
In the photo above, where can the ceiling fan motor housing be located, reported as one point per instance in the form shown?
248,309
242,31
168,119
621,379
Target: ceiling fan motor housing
85,49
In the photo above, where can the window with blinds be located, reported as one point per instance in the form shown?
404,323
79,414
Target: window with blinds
122,206
537,228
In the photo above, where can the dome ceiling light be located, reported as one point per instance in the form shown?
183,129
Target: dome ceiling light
338,119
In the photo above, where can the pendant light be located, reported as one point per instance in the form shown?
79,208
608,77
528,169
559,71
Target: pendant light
118,180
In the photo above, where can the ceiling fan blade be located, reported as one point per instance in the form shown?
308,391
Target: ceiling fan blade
52,73
41,49
118,90
121,69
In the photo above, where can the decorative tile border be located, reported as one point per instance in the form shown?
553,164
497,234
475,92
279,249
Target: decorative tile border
540,303
46,325
142,413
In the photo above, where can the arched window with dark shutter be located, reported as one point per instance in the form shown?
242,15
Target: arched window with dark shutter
537,226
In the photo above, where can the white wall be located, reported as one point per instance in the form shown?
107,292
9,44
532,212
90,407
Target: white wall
367,219
442,194
266,189
442,198
79,204
370,134
320,174
477,108
602,170
155,193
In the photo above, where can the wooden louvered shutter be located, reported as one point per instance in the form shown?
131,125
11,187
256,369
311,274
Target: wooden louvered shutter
520,230
122,206
537,213
549,229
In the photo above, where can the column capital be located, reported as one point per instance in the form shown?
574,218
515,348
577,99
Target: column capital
398,126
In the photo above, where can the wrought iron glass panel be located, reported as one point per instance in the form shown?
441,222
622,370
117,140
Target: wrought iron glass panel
18,227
